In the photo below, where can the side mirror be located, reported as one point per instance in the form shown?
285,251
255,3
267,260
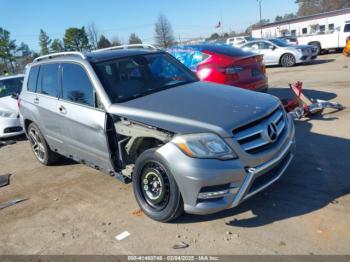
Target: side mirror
272,47
15,96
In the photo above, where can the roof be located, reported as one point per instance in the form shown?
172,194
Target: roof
115,54
304,18
10,77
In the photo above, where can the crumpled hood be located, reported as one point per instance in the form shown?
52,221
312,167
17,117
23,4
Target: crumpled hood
8,104
198,107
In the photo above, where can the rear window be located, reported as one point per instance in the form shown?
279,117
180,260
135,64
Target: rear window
347,28
225,50
32,79
48,80
189,58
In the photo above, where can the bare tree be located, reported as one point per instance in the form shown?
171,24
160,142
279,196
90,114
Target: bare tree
309,7
93,35
164,33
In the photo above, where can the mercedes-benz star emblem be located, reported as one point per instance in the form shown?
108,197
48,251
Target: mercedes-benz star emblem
272,132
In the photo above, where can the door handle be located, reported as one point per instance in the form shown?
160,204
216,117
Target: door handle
36,100
62,109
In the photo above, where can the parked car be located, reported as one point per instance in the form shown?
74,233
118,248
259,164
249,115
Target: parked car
328,41
291,40
224,65
10,87
143,116
278,52
238,41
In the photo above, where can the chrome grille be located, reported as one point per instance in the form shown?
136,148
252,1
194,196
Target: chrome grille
262,134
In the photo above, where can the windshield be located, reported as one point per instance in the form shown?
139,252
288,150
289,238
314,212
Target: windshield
131,77
279,42
10,86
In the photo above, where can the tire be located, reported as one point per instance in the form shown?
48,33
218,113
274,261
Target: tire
40,147
288,60
318,46
155,188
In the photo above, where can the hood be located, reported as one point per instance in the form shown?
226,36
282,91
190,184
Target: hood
8,104
198,107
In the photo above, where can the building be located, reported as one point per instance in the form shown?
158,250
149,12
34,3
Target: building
306,25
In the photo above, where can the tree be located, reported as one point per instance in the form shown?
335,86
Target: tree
134,39
7,49
76,39
116,41
44,42
24,50
260,23
285,17
310,7
164,33
57,46
103,42
93,35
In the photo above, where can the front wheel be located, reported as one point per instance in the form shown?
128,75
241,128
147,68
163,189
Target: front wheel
288,60
155,188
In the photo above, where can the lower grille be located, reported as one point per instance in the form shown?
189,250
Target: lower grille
12,129
262,134
264,179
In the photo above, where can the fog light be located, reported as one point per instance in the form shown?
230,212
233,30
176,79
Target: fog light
211,195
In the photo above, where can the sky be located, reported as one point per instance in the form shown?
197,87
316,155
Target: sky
120,18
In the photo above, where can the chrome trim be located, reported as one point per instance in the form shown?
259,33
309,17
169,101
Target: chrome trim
252,172
260,129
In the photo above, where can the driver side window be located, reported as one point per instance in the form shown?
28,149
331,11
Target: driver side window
264,46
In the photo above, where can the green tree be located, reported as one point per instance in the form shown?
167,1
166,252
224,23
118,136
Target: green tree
44,42
214,36
76,39
163,32
57,46
103,42
24,50
134,39
7,49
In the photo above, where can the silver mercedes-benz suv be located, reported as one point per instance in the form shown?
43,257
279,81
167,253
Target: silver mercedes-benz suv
142,116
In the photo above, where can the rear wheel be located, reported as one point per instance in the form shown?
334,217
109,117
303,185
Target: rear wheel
288,60
155,188
39,146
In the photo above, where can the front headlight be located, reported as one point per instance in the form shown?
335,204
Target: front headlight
204,145
7,114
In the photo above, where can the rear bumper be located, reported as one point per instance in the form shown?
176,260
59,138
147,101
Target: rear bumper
10,127
260,85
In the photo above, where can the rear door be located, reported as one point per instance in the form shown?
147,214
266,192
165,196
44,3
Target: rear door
84,123
344,35
45,102
270,56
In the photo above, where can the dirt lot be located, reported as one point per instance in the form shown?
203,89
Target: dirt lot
76,210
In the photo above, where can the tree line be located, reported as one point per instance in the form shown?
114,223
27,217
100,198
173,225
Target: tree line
13,57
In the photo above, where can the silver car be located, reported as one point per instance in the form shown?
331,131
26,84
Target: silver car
278,52
142,116
10,87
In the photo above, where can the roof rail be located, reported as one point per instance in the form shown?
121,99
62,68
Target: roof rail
127,47
50,56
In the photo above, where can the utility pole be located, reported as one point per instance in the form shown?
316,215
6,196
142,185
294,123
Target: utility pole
261,30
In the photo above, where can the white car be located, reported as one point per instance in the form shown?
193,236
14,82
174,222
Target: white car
278,52
10,125
238,41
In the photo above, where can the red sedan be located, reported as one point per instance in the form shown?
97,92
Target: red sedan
225,65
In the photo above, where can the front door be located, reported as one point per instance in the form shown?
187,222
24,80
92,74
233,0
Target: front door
82,122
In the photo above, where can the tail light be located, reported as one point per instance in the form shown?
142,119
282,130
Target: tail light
203,73
263,69
347,39
297,42
18,103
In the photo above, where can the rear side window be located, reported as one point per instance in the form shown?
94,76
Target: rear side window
347,28
224,50
48,80
189,58
76,85
32,79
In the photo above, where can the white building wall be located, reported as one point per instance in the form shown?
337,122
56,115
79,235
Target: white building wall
278,30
